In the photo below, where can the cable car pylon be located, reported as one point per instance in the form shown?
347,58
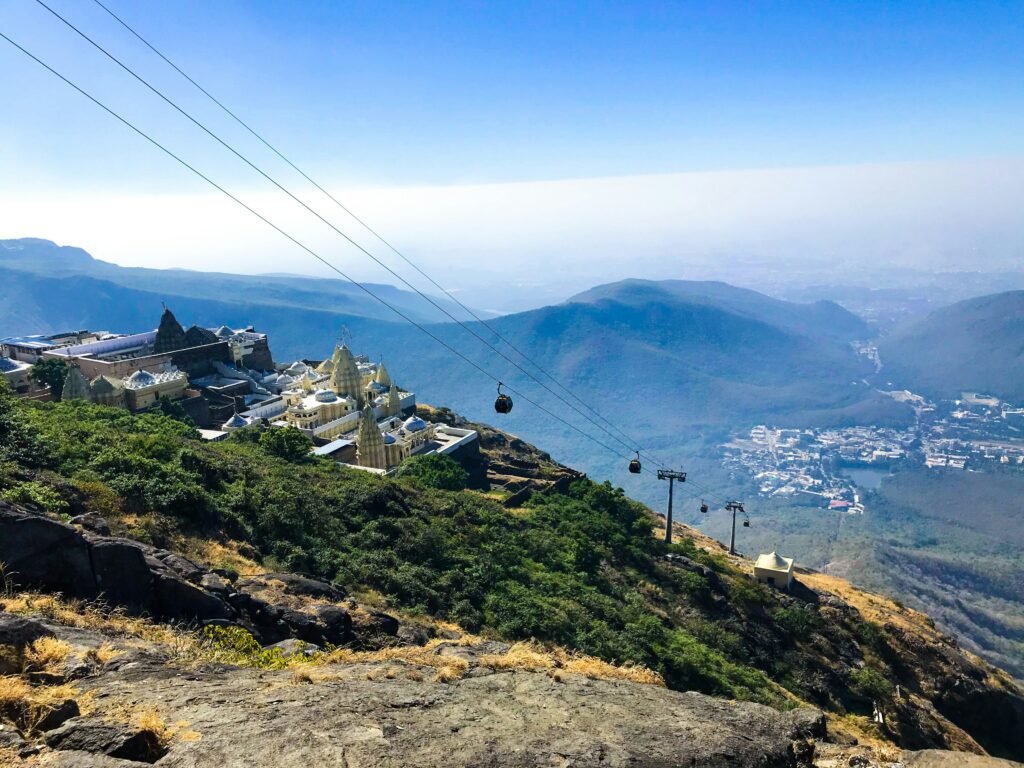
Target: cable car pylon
734,507
671,475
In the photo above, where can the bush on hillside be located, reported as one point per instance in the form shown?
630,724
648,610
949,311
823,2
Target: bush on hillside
435,471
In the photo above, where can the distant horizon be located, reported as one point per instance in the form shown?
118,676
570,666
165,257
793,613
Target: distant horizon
521,153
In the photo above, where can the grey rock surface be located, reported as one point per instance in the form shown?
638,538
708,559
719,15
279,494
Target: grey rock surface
250,719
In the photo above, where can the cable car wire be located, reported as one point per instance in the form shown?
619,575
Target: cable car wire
627,444
370,229
298,243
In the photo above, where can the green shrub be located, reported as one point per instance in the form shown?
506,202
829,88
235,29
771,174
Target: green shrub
870,683
287,443
38,494
435,471
234,645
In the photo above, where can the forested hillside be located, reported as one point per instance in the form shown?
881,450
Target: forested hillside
578,567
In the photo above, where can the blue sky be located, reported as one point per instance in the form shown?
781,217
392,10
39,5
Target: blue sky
429,92
375,95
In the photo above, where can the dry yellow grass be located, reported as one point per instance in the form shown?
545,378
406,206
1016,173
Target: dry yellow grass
14,691
521,656
47,654
26,705
150,720
101,654
10,758
76,613
533,656
420,655
217,555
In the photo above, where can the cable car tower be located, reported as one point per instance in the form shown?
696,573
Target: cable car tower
734,507
671,475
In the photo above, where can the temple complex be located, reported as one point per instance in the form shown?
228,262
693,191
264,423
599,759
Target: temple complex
224,379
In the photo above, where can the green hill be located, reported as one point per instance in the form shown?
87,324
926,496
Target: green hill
974,345
576,566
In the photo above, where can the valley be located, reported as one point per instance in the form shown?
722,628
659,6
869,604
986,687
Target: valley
688,367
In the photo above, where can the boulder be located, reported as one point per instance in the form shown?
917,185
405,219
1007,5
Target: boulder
57,714
337,624
110,739
303,626
122,575
92,522
45,554
293,647
377,623
294,584
178,600
18,631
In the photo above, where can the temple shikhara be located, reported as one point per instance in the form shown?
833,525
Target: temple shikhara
225,379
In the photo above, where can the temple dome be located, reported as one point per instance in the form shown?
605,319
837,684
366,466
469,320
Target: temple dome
325,396
237,421
389,439
141,378
414,424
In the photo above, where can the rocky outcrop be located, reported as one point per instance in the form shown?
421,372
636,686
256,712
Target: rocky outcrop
353,715
41,553
110,739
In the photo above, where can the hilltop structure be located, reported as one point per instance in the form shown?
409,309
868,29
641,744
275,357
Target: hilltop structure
225,380
773,569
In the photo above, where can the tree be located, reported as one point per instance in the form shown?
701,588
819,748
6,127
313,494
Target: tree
286,442
174,410
50,373
435,471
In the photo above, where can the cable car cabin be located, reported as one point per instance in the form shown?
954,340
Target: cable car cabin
504,403
703,508
746,523
634,465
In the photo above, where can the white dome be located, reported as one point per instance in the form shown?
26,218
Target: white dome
325,396
142,378
297,367
237,421
414,424
388,439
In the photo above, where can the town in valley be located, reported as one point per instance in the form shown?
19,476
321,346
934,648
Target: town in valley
975,433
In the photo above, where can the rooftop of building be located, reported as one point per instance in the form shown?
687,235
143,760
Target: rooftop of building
773,561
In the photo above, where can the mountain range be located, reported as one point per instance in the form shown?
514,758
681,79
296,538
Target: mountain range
671,362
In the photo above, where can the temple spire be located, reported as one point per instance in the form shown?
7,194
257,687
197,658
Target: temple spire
370,441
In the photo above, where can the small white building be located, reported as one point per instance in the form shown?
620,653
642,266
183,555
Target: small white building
774,569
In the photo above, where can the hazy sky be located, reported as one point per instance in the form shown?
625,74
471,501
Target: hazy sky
551,144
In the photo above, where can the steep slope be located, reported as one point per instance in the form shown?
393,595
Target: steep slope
974,345
571,563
